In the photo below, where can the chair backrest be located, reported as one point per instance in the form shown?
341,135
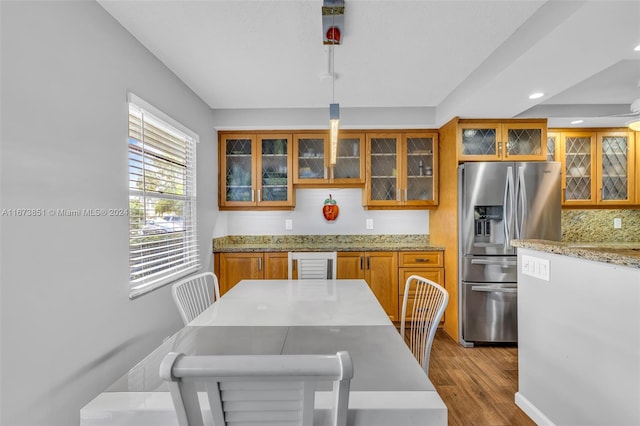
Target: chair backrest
426,302
194,294
313,264
254,389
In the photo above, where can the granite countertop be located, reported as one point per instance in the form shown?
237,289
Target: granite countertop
266,243
626,254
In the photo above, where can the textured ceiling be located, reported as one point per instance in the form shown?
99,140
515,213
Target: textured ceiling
468,59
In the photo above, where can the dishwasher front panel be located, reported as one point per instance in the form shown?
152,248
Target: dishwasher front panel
489,312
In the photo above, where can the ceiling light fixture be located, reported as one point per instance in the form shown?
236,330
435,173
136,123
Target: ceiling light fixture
332,26
536,95
634,124
577,121
637,48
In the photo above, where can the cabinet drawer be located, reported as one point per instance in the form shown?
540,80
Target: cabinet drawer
436,275
422,259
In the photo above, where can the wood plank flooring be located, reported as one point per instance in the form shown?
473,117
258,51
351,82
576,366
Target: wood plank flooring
478,384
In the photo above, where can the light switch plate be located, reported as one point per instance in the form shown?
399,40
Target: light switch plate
369,223
288,224
535,267
617,223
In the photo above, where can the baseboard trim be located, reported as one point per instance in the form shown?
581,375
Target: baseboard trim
532,411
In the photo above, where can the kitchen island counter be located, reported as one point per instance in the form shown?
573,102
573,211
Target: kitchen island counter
579,333
280,243
626,254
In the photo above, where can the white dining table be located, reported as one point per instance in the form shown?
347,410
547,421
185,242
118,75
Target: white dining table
389,388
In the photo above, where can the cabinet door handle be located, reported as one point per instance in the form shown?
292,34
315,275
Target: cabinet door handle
259,195
259,264
368,262
406,194
325,172
499,149
421,260
253,196
361,262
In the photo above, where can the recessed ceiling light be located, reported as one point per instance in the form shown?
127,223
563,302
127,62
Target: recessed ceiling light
536,95
637,48
577,121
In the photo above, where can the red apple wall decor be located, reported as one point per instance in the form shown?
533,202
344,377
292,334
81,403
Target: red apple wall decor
330,209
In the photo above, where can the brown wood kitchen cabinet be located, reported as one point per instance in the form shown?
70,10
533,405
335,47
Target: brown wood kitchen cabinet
429,265
231,268
402,170
379,269
311,162
598,167
255,171
502,140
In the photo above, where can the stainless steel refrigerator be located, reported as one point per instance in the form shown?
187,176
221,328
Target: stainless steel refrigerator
498,202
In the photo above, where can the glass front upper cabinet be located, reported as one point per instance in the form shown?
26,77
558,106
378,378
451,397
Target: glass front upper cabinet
402,170
256,170
615,168
502,141
599,168
312,167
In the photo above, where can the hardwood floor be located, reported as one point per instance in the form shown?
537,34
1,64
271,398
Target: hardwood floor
478,384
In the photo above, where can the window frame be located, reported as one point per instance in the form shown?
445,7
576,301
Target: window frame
142,160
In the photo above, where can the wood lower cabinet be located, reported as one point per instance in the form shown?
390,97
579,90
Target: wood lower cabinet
384,271
379,270
231,268
429,265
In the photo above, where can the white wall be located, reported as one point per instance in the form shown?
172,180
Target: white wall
307,217
68,328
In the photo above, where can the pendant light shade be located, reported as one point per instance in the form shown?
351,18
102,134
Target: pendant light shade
334,122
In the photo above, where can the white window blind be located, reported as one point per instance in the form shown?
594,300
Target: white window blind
163,244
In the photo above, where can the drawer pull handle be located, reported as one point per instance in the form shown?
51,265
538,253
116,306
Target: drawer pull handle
419,260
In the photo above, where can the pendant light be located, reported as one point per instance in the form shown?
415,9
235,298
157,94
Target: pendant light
332,26
334,119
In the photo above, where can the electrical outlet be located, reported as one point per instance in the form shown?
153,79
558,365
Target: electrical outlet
369,223
288,224
617,223
535,267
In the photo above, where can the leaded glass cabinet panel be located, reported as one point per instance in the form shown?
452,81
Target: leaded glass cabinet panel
255,171
383,166
579,180
553,142
421,169
615,167
274,187
521,140
237,185
403,170
312,167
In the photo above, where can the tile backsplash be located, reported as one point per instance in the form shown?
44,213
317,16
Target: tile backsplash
597,226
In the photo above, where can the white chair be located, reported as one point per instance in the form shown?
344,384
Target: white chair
429,301
194,294
256,389
313,264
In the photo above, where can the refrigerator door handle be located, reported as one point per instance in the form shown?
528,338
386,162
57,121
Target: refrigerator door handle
521,203
507,207
494,262
490,289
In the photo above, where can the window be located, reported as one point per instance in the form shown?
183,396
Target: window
163,243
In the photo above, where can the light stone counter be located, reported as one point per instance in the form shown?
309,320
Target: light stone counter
626,254
264,243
